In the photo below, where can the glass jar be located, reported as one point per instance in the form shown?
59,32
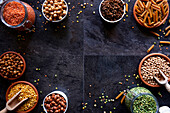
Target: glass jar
133,99
27,21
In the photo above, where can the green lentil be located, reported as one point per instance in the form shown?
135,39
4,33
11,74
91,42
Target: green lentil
144,104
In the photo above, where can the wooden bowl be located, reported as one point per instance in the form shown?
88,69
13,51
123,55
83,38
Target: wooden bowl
136,18
146,57
23,82
22,60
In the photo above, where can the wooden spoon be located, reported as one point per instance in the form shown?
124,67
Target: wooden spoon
13,103
163,82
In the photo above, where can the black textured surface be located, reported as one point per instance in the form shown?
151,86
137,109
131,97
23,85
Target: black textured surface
104,73
103,38
89,52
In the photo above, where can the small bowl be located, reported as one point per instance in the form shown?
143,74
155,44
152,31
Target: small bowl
146,57
136,18
22,60
23,82
60,93
56,20
109,20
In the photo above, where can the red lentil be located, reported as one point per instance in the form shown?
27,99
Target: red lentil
14,13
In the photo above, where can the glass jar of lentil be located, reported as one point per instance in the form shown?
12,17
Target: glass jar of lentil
18,15
141,100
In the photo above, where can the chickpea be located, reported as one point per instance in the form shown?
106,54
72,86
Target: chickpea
49,5
51,2
55,15
50,18
59,7
60,3
44,5
47,16
51,13
56,8
55,12
60,17
64,12
50,9
47,12
46,2
56,4
64,6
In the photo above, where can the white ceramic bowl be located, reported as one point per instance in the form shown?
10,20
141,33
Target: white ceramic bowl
109,20
60,93
56,20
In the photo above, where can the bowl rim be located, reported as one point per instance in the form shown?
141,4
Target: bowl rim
53,20
134,14
109,20
146,57
24,68
23,82
60,93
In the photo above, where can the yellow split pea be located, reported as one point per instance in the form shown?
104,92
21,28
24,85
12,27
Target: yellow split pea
26,92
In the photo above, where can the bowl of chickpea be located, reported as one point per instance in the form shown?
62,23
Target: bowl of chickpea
55,10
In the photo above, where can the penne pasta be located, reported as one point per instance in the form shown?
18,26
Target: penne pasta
160,17
154,33
163,10
156,7
149,21
143,13
147,4
164,42
150,48
146,16
157,1
167,34
156,16
120,95
138,11
150,13
140,20
144,5
140,4
126,7
153,1
154,20
123,98
167,28
156,24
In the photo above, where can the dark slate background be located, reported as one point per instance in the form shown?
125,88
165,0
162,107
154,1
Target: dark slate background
91,52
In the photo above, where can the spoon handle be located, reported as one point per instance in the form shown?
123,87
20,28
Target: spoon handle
4,110
167,86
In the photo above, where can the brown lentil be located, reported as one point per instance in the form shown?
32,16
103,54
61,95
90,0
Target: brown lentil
112,9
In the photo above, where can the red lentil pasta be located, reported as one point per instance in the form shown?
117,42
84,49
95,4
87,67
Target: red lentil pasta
151,13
